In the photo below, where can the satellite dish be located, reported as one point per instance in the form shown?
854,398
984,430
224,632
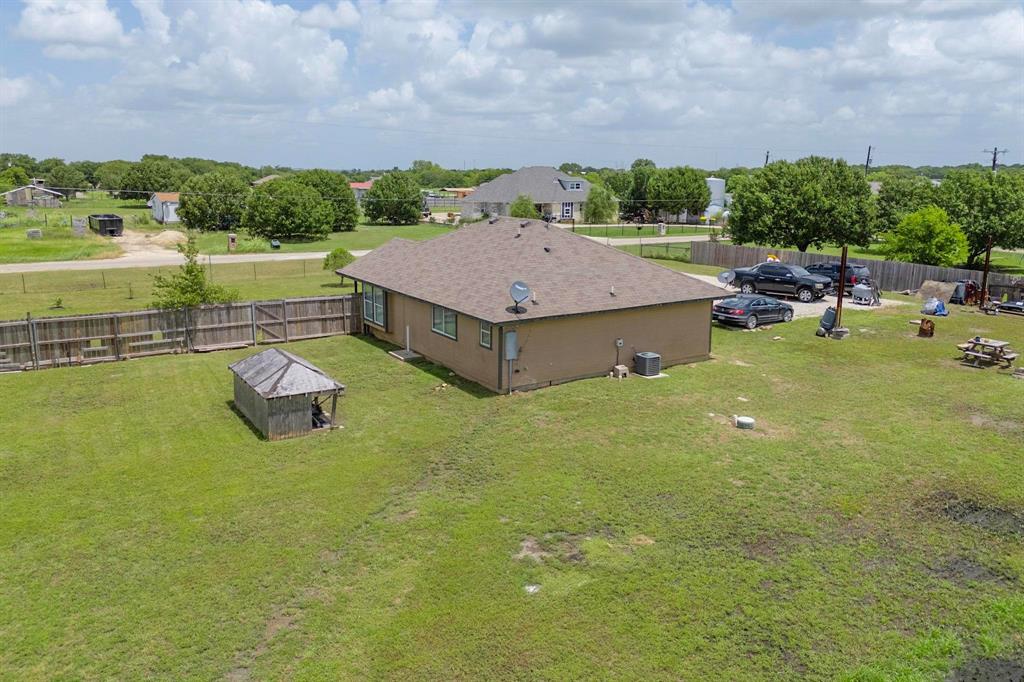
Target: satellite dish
519,293
726,276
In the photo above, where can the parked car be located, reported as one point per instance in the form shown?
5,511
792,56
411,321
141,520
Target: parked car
1012,307
750,310
781,278
855,274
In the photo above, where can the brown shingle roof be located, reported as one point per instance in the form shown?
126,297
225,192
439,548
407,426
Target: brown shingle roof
166,196
470,269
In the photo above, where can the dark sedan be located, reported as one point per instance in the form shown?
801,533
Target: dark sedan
750,310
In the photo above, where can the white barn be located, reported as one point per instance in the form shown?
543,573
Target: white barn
165,207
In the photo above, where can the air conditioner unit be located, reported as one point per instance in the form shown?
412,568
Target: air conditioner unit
647,364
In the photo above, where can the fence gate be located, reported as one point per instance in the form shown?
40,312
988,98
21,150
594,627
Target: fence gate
271,321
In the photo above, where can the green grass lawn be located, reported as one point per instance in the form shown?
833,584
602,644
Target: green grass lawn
625,231
123,289
363,237
148,533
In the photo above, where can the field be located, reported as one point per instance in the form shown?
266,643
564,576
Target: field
865,530
123,289
363,237
629,230
58,243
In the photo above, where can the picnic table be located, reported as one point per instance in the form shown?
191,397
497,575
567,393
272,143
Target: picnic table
988,351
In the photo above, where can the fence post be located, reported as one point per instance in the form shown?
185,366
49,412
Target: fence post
117,337
33,343
189,346
252,314
284,316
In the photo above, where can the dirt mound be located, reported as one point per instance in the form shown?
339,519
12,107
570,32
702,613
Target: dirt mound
988,670
992,519
169,238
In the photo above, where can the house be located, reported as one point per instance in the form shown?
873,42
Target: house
361,188
458,192
592,306
283,395
165,207
553,192
33,195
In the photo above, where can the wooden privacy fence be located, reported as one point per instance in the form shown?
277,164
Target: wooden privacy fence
34,343
889,275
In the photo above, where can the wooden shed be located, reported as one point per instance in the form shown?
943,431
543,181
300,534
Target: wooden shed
283,395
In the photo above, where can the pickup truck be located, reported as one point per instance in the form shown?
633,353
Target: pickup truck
782,278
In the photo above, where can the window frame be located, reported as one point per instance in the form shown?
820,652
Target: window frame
571,209
373,304
454,336
490,335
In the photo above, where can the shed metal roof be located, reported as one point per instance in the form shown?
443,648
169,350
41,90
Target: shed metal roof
276,373
36,188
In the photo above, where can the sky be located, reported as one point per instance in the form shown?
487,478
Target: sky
507,83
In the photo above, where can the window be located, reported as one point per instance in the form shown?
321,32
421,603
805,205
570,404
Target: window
575,185
485,334
374,309
566,209
443,322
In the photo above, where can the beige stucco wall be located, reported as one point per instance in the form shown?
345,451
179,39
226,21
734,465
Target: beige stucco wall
463,355
557,350
553,351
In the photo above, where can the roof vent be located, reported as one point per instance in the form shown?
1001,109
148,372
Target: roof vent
547,249
612,291
492,220
524,223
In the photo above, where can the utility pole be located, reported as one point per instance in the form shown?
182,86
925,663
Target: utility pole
767,154
867,163
995,152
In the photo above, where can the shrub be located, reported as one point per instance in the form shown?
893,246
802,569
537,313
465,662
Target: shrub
189,287
523,207
338,258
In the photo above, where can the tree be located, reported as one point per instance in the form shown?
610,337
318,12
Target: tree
600,206
188,287
675,190
287,208
334,189
899,196
812,202
638,206
65,179
926,236
338,258
86,168
523,207
987,206
393,199
213,201
620,182
571,169
12,177
152,175
110,174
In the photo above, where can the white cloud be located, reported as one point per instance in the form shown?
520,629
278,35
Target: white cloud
14,90
343,15
71,22
157,25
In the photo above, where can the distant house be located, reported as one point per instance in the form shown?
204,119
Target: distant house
553,192
165,207
265,179
458,192
33,195
593,306
361,188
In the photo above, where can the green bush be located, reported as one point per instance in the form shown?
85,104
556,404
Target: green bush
338,258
